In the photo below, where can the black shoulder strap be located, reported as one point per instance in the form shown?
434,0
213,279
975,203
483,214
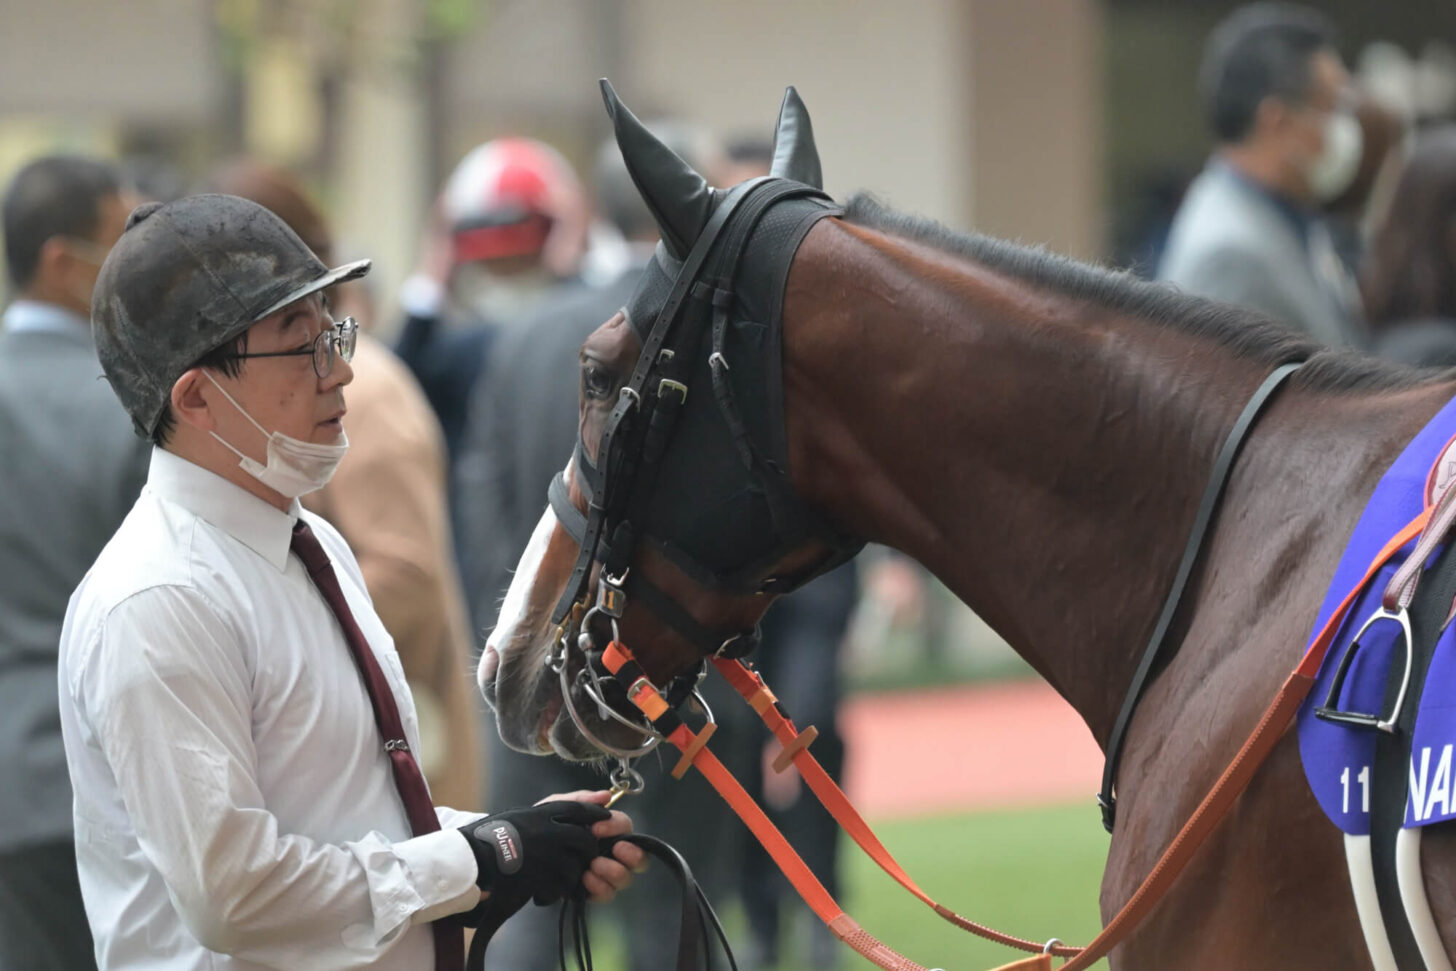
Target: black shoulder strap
1217,479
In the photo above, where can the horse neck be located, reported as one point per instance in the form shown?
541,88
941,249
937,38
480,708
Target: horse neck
1042,456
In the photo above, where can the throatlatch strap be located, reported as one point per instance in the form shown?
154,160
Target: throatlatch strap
1217,479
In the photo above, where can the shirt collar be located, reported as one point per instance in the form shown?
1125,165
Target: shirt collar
258,525
37,316
1297,216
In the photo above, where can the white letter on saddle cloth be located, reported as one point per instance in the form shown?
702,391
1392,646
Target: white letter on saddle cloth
1440,786
1367,906
1417,785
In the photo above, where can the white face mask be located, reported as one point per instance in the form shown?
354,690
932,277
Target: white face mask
295,468
1331,172
496,298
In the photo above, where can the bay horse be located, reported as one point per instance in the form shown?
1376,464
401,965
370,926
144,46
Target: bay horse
1035,431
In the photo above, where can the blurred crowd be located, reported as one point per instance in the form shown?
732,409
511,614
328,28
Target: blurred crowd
1322,205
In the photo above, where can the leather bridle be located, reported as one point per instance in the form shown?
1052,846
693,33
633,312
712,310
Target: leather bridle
622,485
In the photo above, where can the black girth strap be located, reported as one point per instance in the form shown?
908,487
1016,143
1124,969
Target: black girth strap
1217,479
1390,776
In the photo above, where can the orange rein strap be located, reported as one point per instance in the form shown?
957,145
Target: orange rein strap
789,862
1271,726
748,683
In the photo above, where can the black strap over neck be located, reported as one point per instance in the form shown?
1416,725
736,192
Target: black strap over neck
1217,479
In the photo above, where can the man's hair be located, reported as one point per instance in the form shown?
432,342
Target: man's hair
59,195
1257,51
225,359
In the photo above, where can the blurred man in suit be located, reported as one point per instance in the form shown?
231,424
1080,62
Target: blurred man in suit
71,470
1279,100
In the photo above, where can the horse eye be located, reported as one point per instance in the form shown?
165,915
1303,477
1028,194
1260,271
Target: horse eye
597,381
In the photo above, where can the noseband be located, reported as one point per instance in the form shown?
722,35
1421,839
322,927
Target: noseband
630,500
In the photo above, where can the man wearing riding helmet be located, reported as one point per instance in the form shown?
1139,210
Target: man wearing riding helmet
510,224
238,731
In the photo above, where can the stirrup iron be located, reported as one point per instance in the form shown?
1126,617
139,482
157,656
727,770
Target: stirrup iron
1330,710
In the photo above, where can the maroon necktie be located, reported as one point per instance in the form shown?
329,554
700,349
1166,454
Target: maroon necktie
449,941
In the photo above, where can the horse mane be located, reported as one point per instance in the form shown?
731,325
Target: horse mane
1246,333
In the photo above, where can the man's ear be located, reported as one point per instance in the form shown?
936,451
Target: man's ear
52,262
189,400
1274,114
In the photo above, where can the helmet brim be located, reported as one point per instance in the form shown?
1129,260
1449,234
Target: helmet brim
339,274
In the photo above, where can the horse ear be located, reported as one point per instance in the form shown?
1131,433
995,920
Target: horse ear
795,156
678,197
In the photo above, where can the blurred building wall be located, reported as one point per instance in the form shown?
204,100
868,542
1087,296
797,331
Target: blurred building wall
982,113
1035,112
885,83
142,61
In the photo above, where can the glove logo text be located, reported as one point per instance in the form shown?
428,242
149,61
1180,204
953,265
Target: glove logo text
507,843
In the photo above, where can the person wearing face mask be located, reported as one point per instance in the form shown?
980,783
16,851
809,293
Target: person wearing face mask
1280,102
388,500
68,473
240,737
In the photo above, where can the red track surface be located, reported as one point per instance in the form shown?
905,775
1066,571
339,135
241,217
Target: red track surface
952,749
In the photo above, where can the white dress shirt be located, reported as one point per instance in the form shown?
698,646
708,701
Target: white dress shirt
234,806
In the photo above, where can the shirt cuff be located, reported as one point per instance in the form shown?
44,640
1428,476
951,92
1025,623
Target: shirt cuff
456,818
444,871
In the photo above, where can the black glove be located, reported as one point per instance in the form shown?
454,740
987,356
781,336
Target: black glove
538,852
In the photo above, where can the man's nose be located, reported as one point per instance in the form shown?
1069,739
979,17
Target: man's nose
340,374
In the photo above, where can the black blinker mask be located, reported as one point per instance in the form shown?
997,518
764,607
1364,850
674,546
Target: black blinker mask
693,459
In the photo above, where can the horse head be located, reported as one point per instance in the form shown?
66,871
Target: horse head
675,523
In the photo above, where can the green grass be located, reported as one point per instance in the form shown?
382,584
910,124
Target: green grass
1033,873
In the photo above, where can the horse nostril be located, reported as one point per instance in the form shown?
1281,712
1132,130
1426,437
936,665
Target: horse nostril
489,662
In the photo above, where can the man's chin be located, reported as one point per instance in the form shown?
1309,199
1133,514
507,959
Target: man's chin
329,433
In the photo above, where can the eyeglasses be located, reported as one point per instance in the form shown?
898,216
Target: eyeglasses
344,335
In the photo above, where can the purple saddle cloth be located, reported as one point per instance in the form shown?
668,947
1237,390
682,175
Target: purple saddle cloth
1338,758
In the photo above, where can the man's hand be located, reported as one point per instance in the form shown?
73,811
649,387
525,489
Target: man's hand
607,873
541,851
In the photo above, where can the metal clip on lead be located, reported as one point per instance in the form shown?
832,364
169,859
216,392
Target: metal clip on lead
625,781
